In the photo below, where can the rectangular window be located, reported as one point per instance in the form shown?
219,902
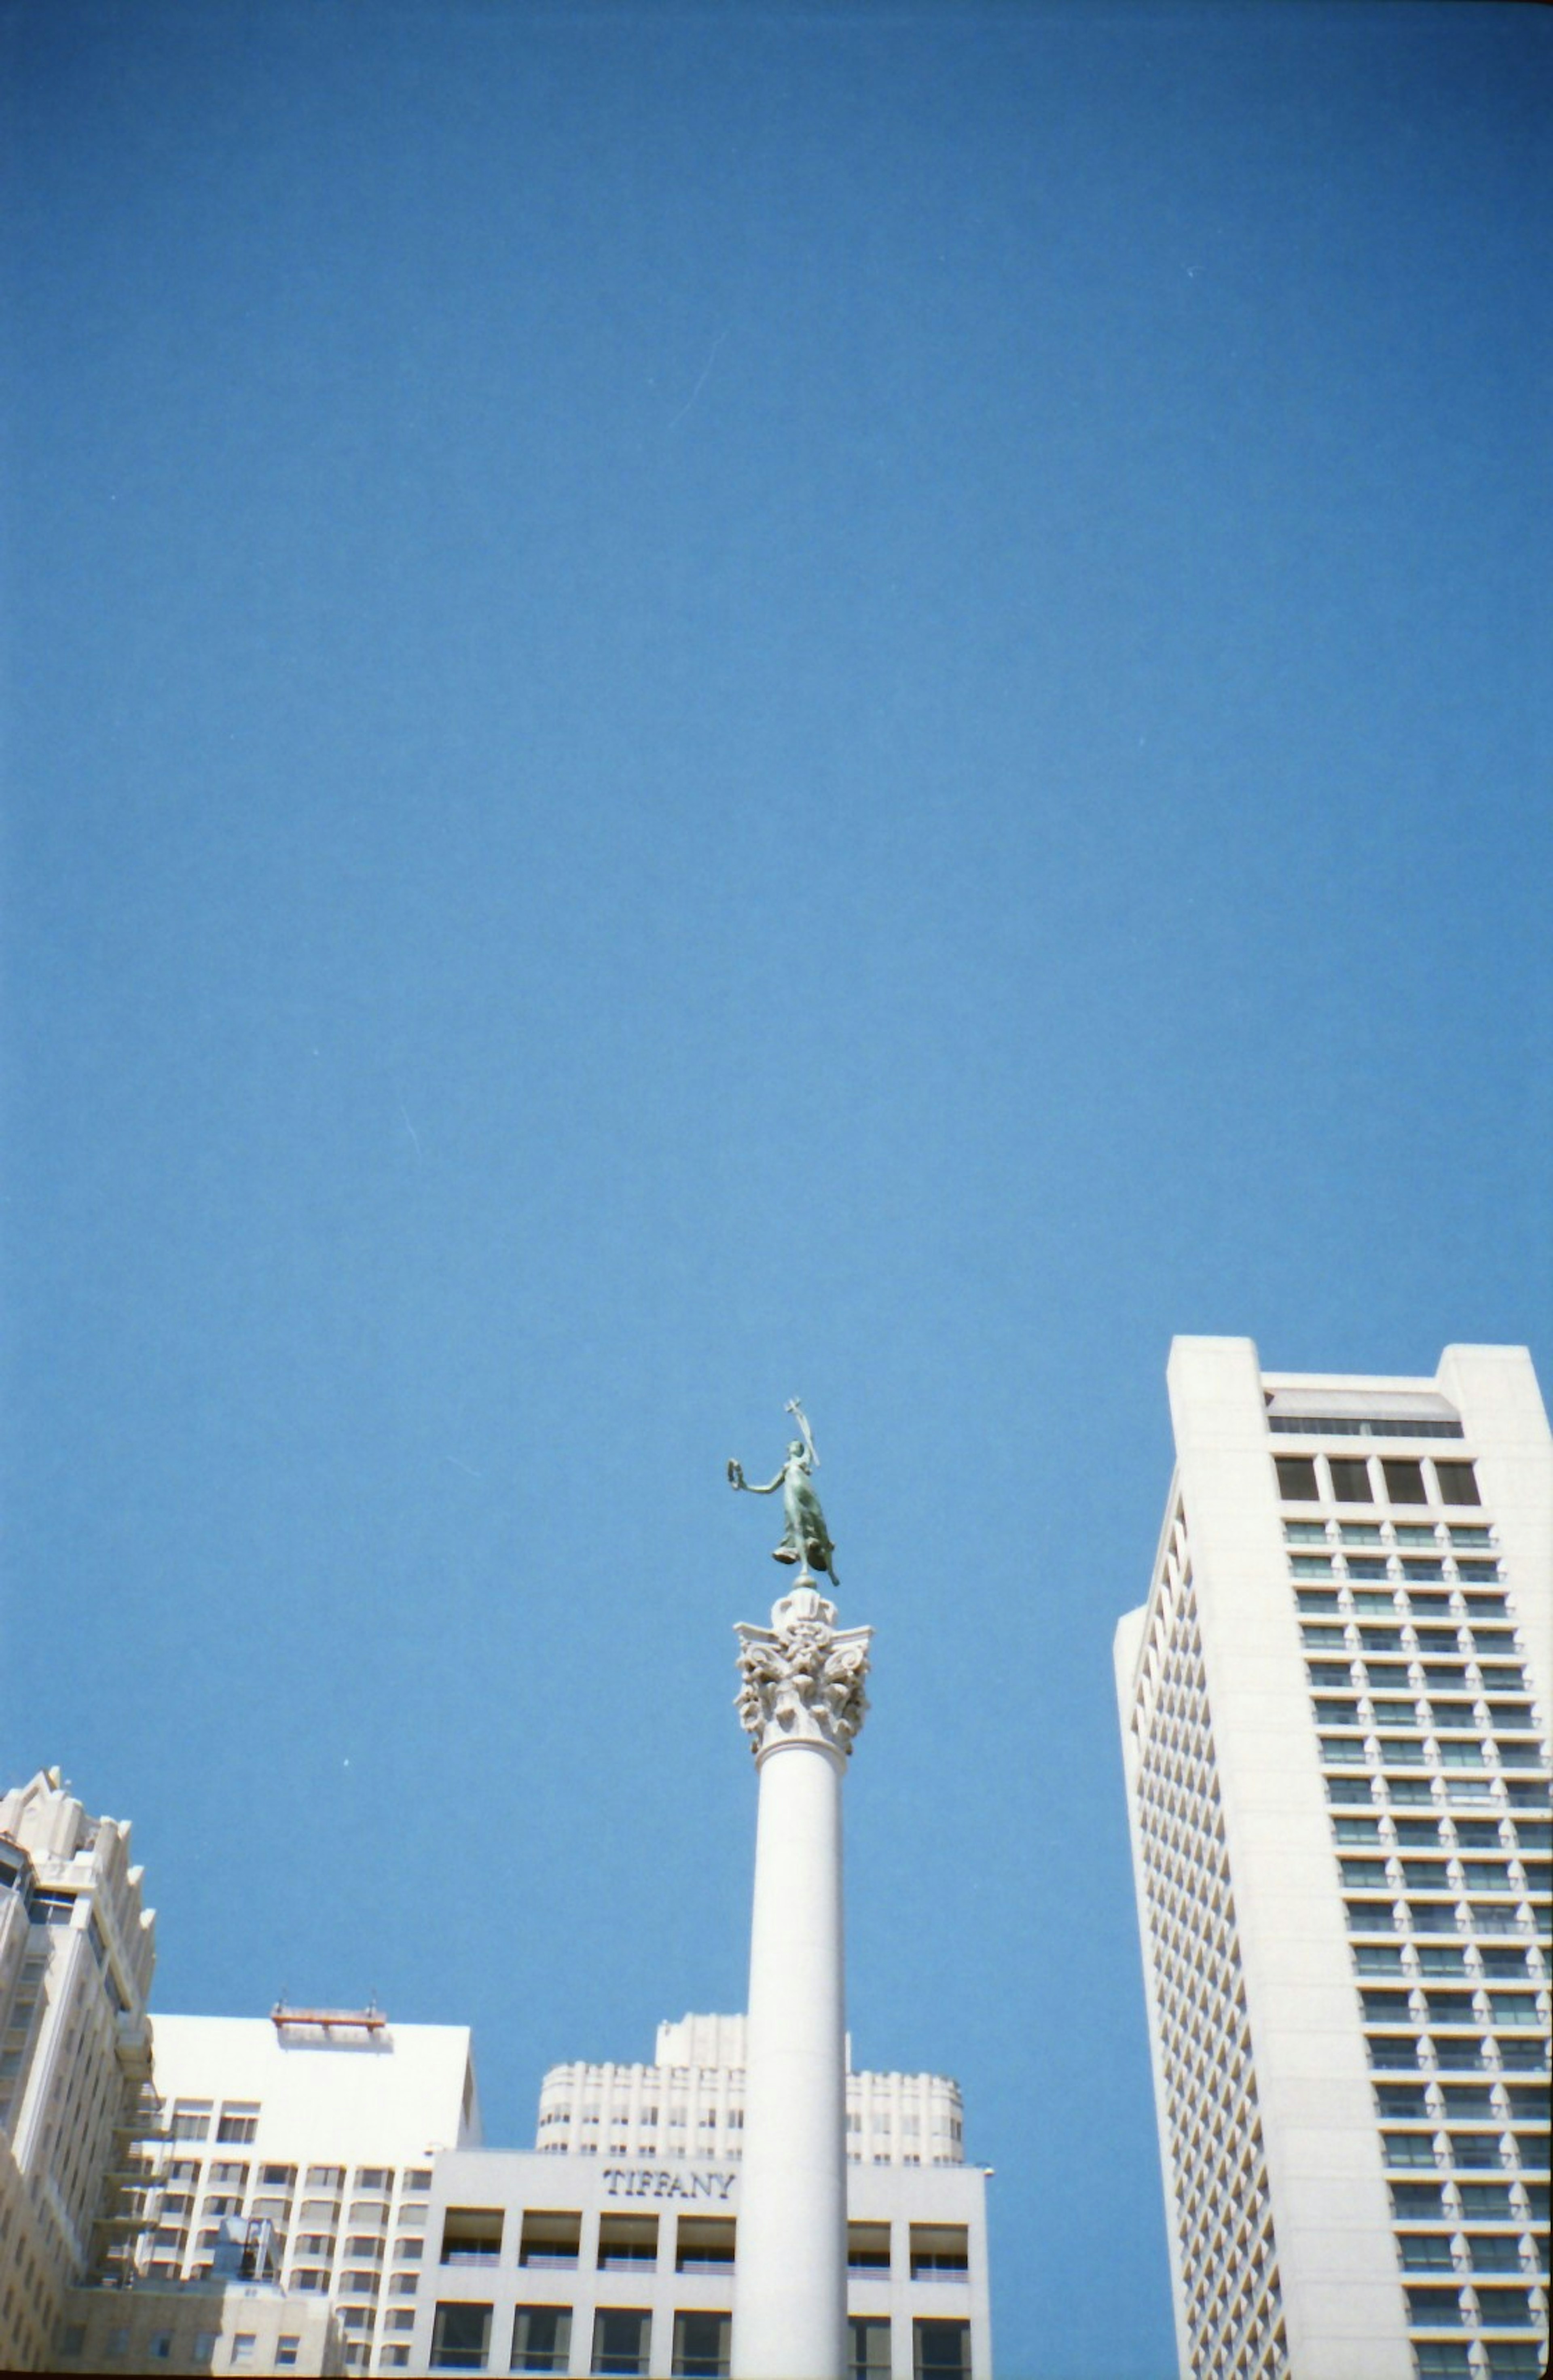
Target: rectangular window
940,2351
1350,1479
704,2244
868,2348
191,2119
1458,1482
627,2243
460,2339
326,2177
1296,1478
285,2350
619,2340
471,2235
701,2346
542,2339
1487,2201
1404,1482
867,2247
1421,2201
1495,2254
1503,2309
243,2346
1426,2252
940,2252
550,2240
239,2120
1434,2309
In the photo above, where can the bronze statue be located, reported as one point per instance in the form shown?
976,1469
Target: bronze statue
805,1539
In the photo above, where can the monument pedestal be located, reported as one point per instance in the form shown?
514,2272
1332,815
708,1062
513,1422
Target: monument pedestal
803,1703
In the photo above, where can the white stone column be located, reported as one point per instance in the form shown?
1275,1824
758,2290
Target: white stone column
803,1703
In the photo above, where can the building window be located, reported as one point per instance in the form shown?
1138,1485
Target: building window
940,2252
460,2337
1404,1482
191,2119
542,2339
701,2346
472,2235
704,2244
239,2120
940,2351
620,2339
1458,1482
1351,1480
243,2346
627,2243
550,2240
326,2177
867,2247
1296,1478
285,2350
868,2348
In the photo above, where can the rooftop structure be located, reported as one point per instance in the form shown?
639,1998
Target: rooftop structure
690,2101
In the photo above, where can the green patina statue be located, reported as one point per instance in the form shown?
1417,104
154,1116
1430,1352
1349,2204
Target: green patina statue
805,1539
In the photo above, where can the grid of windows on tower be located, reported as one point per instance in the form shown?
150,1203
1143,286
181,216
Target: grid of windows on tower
353,2234
1227,2252
1438,1787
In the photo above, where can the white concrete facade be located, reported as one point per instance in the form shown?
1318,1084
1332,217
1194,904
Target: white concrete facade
561,2263
690,2101
1335,1711
77,1950
328,2127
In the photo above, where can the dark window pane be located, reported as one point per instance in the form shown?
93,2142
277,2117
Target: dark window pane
542,2339
620,2341
1404,1483
869,2349
1296,1478
1458,1482
1351,1480
701,2346
941,2350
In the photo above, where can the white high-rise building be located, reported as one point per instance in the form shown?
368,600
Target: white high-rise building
1335,1710
77,1950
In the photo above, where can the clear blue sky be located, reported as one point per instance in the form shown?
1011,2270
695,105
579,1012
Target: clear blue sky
705,703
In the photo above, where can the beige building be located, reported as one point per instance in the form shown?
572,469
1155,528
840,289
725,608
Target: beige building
1335,1709
221,2325
76,1956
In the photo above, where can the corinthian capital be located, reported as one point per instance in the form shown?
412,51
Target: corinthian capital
801,1679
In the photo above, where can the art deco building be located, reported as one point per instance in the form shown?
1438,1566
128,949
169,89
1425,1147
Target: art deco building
1335,1711
76,1959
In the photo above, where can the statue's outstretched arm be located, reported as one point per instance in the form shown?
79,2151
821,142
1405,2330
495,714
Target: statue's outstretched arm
735,1474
